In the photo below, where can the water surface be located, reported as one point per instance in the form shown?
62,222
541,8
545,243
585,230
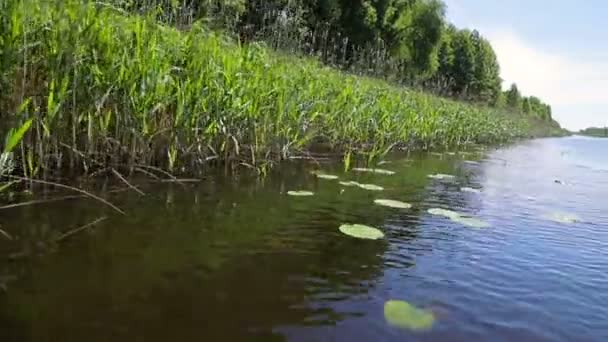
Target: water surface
237,259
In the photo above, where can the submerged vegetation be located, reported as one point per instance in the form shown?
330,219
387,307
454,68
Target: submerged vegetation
114,86
404,315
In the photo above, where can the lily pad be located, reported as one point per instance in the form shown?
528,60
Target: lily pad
441,176
563,218
470,221
378,171
404,315
443,212
371,187
325,176
393,203
300,193
361,231
349,183
467,189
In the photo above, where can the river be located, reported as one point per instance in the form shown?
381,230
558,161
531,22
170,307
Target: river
234,258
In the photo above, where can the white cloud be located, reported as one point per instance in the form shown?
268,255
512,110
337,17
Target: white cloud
567,84
575,83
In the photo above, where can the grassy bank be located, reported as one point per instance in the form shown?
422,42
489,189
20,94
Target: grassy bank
108,89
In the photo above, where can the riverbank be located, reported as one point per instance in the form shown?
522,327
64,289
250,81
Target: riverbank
107,89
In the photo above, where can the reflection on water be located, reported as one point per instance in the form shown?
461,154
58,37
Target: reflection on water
238,259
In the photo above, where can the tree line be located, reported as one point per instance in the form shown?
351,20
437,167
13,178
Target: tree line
595,131
404,41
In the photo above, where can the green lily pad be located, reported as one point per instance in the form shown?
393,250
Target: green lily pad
563,218
325,176
470,221
300,193
371,187
349,183
443,212
377,171
404,315
393,203
361,231
467,189
441,176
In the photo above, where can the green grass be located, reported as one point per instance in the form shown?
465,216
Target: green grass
108,89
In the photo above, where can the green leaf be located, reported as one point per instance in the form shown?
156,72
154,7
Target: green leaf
443,212
393,203
441,176
563,218
300,193
371,187
377,171
470,221
14,137
361,231
403,315
350,183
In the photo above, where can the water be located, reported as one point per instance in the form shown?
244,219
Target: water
236,259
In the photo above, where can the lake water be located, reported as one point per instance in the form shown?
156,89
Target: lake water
235,258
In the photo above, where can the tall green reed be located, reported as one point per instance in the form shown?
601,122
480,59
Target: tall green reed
110,89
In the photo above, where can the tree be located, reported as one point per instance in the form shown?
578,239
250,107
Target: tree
513,98
526,105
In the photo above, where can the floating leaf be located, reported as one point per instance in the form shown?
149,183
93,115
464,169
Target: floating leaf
361,231
393,203
349,183
467,189
563,218
322,175
378,171
370,187
300,193
442,176
443,212
330,177
470,221
457,217
404,315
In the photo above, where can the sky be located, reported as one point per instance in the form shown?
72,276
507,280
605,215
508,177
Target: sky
553,49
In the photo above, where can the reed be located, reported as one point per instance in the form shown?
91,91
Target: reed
106,89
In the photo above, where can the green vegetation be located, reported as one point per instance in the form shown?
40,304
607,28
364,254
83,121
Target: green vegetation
392,203
594,131
404,315
129,85
361,231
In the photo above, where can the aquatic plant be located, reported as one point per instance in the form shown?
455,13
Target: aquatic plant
377,171
371,187
404,315
112,89
460,218
392,203
361,231
300,193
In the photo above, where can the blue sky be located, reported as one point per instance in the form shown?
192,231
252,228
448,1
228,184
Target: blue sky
554,49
